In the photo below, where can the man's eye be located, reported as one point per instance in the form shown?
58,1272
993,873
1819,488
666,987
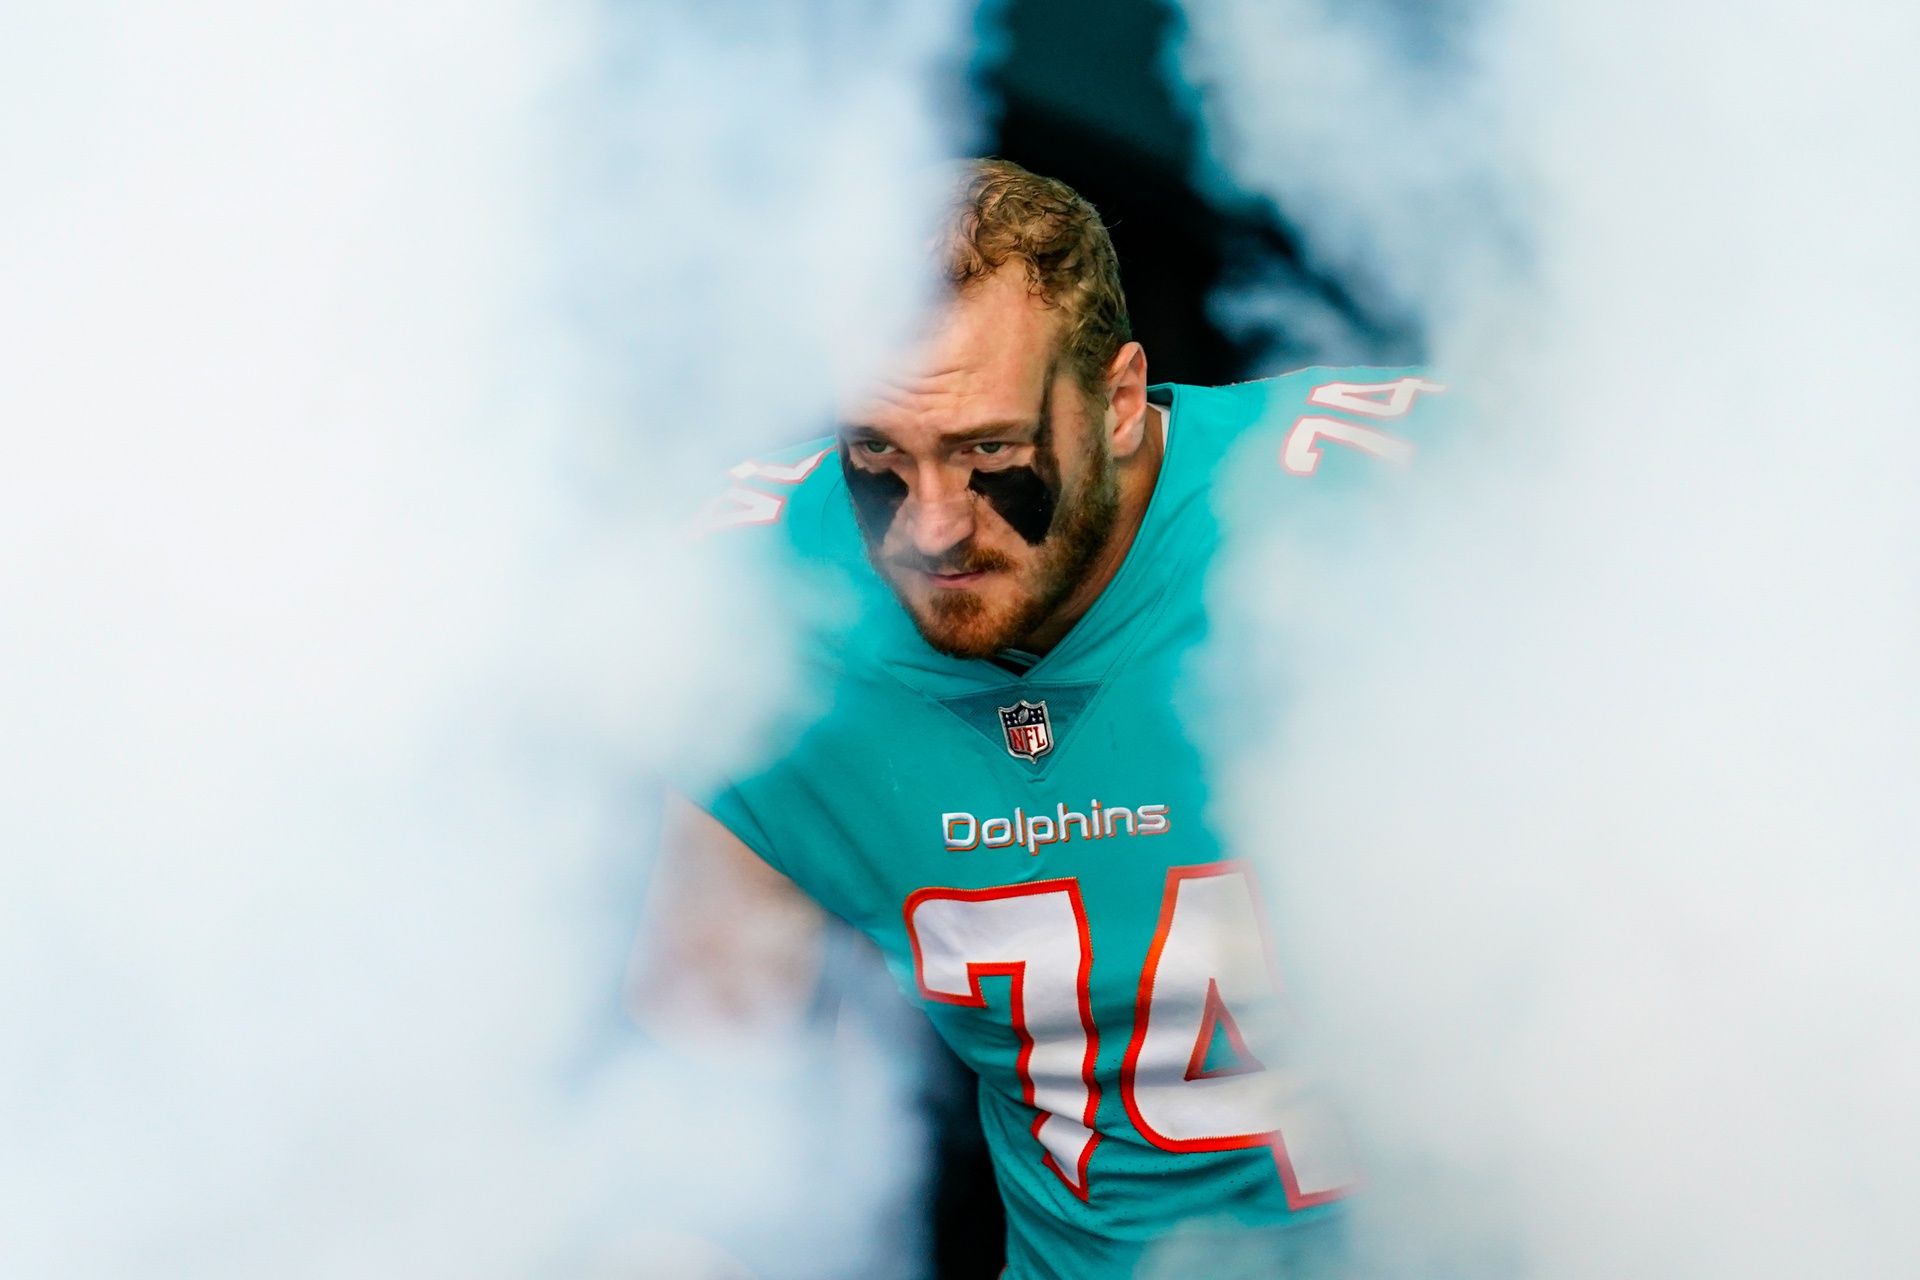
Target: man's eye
876,448
990,447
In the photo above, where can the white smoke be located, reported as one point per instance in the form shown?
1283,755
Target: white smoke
360,363
1597,877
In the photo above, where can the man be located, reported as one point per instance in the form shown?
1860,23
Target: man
1002,787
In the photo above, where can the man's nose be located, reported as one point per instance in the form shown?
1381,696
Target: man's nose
939,511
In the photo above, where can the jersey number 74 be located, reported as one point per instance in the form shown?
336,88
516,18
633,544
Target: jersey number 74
1209,955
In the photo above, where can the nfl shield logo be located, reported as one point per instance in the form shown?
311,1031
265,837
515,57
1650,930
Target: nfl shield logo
1029,732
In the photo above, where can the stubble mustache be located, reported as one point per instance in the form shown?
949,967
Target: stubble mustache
961,560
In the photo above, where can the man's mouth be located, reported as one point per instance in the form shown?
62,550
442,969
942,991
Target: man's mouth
956,575
952,581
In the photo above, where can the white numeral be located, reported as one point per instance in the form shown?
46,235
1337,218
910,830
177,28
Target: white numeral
1372,399
778,472
740,506
1209,957
1300,452
1036,936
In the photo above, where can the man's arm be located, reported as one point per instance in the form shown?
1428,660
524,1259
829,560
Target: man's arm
728,946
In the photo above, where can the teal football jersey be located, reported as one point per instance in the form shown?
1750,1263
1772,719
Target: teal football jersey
1035,856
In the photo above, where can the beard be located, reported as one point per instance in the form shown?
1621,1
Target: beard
962,624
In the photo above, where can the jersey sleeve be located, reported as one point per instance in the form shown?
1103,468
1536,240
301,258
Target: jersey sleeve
775,811
1333,423
1324,451
760,536
729,806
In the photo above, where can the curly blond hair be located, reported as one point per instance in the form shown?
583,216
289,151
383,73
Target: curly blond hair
1002,212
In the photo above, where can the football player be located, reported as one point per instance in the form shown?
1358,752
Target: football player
1001,786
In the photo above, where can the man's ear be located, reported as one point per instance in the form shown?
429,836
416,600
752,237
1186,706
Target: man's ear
1126,418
